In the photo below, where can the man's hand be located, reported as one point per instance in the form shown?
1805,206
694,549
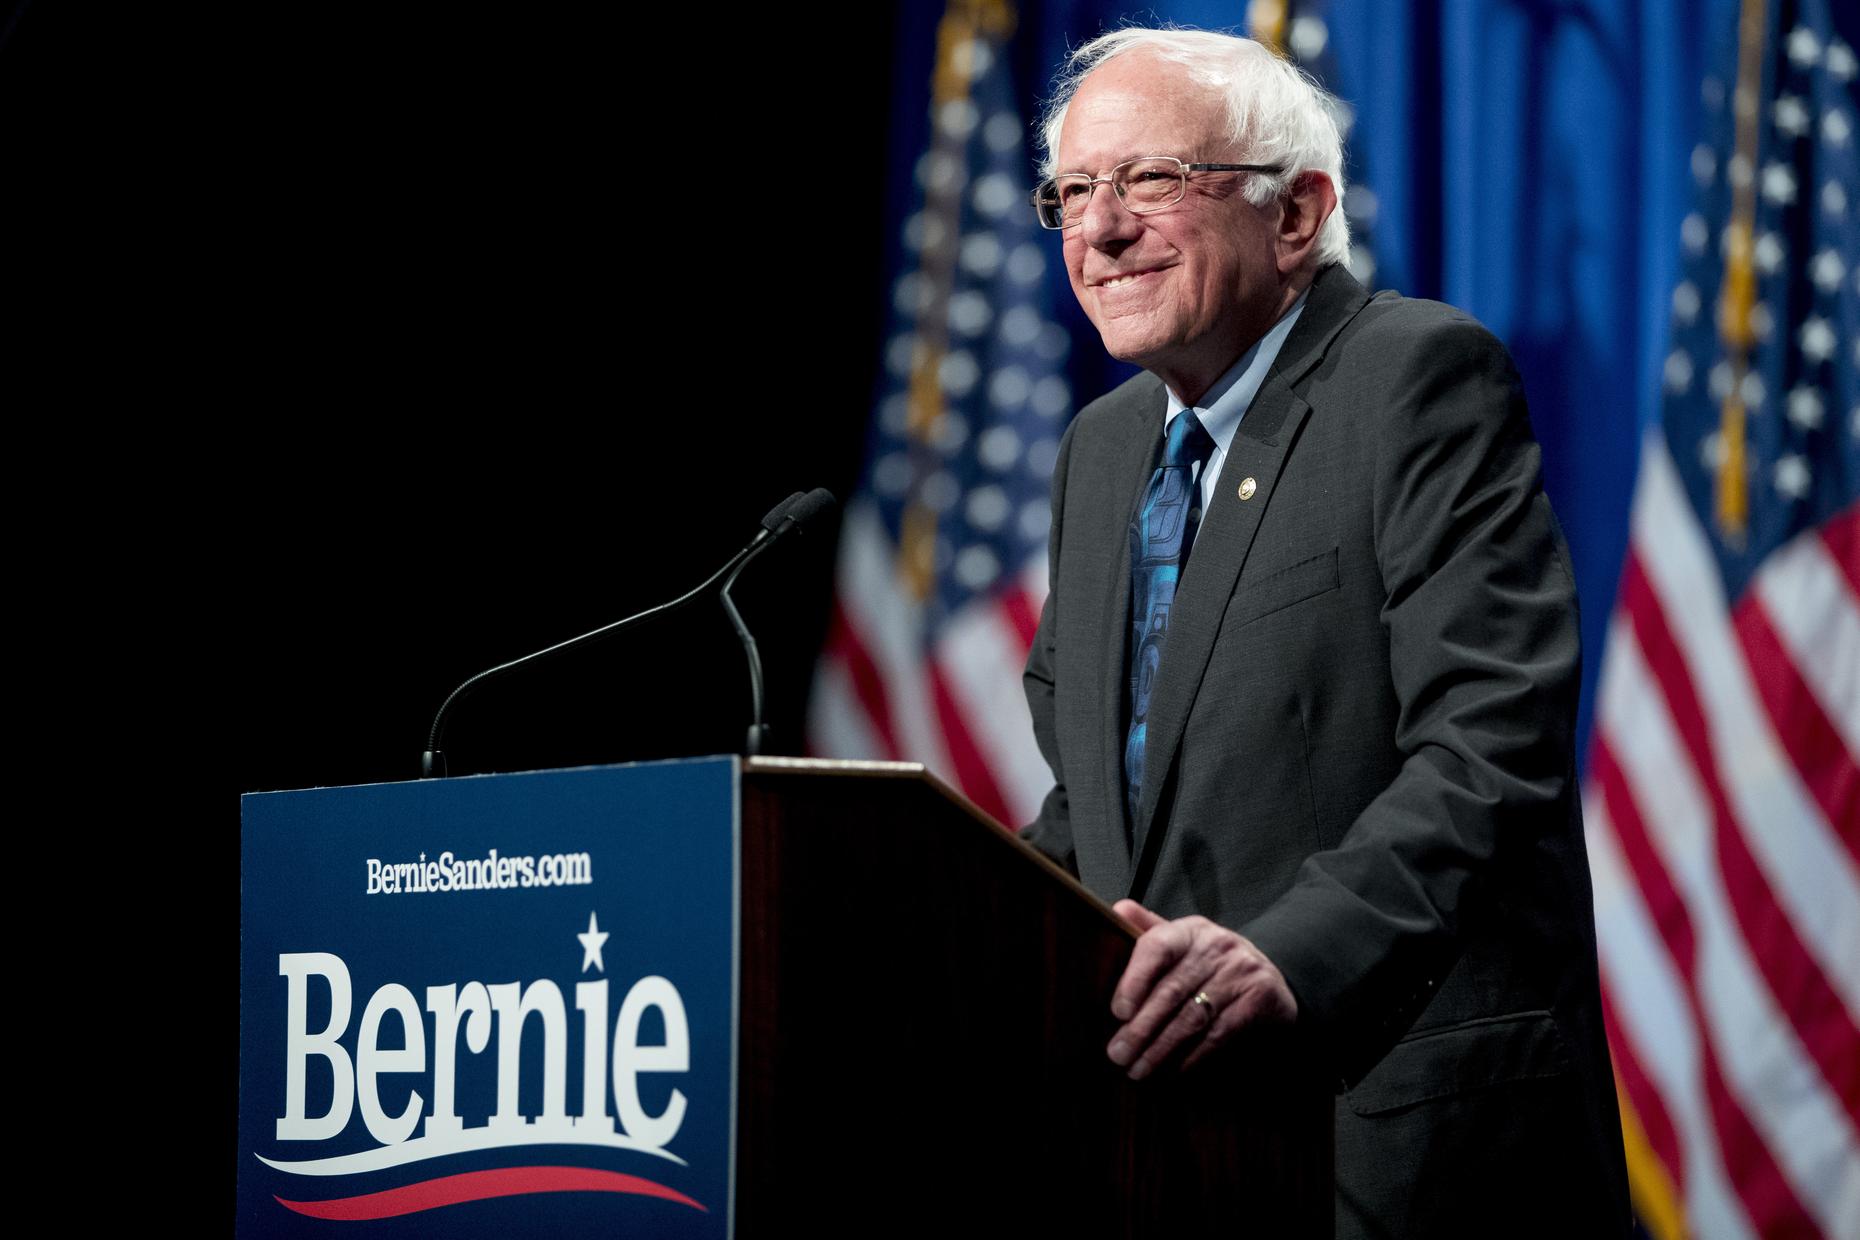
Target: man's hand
1190,986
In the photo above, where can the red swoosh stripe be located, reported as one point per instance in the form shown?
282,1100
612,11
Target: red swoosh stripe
450,1190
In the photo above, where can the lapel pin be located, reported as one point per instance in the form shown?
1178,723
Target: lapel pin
1247,487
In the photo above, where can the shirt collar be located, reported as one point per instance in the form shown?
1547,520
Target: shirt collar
1222,406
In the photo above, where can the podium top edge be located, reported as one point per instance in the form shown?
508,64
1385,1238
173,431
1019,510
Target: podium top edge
694,760
812,766
837,766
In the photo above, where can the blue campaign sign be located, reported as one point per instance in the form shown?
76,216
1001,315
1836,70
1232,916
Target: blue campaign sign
498,1006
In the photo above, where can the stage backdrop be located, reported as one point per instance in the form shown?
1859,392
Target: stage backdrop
1654,204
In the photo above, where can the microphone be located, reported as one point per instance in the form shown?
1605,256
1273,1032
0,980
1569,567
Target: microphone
798,511
794,513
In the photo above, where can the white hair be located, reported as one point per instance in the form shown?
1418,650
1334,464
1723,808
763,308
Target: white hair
1275,113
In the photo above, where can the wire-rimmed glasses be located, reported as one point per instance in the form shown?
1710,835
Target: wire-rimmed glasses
1142,185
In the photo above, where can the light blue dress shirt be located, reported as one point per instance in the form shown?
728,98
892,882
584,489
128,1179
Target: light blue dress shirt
1222,406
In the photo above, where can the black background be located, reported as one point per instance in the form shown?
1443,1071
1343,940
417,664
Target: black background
394,342
549,314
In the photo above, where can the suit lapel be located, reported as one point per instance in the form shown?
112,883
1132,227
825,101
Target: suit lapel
1258,452
1140,441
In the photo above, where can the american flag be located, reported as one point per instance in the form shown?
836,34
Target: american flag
1301,31
1723,786
942,568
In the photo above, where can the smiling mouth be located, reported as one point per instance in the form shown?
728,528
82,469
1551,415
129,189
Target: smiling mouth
1131,278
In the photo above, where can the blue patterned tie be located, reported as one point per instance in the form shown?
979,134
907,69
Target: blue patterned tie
1160,538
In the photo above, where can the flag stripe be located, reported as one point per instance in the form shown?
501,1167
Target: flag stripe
982,657
951,512
1842,536
1655,1201
1662,1169
1725,767
1022,607
1814,746
1817,619
1646,992
1767,1197
838,722
868,686
1802,991
889,624
1802,1123
1810,875
971,768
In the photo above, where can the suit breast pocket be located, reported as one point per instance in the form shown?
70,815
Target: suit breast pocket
1475,1054
1279,588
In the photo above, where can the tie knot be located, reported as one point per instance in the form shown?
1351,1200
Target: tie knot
1188,441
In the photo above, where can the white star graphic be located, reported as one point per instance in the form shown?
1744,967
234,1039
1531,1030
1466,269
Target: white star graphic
1768,253
1790,115
1816,339
1804,47
1719,380
1834,199
1826,271
591,944
1761,321
1686,302
1840,60
1805,407
1792,477
1778,184
1678,372
1342,113
1309,35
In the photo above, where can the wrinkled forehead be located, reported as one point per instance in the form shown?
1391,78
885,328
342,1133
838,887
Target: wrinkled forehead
1140,105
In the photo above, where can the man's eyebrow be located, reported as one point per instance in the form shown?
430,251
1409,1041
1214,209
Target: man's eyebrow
1127,159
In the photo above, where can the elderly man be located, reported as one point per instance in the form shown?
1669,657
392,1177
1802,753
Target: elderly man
1307,675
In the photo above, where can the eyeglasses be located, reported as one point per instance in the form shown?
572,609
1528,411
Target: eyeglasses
1142,185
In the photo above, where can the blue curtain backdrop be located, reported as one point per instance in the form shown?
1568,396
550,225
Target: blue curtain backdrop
1527,162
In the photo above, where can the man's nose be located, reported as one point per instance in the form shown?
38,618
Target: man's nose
1106,221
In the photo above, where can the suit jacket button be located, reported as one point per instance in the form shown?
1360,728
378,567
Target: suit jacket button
1247,487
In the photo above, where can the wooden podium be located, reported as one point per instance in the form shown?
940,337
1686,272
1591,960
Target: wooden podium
925,1009
766,998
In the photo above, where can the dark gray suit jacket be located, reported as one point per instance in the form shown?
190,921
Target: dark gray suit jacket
1360,754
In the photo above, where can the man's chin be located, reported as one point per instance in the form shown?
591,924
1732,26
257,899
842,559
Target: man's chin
1139,349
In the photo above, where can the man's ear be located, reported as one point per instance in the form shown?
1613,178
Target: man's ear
1303,209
